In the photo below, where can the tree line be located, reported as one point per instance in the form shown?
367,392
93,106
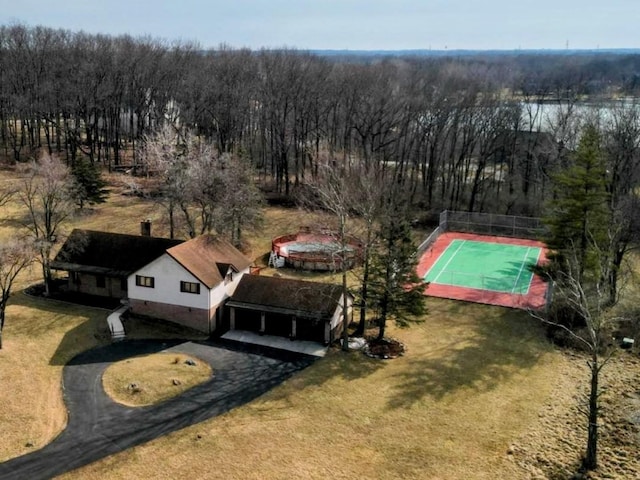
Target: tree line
380,141
469,134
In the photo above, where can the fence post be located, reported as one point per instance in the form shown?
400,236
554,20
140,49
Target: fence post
443,220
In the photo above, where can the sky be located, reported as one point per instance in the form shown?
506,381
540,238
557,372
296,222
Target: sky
348,24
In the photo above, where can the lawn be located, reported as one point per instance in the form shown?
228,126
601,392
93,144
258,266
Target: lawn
474,380
150,379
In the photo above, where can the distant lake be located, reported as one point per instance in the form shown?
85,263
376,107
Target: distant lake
542,116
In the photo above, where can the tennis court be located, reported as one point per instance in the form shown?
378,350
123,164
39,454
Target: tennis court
485,265
484,269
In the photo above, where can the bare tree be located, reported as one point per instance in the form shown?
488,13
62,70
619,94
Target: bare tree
332,191
583,312
367,190
241,203
202,205
47,194
162,155
15,255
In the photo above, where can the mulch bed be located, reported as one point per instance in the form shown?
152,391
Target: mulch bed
386,349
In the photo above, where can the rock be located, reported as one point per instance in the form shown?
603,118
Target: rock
176,382
29,444
357,343
511,450
134,388
190,362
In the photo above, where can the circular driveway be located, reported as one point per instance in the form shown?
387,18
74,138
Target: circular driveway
98,427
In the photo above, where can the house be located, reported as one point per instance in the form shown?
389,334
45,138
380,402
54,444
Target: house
188,283
203,283
292,308
99,263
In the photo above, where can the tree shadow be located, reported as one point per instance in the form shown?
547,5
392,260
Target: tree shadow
90,330
93,331
510,275
481,360
348,366
14,223
114,352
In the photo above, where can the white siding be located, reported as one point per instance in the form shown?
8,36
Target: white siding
337,315
221,292
168,274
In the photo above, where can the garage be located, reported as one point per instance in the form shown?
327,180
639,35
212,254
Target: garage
249,320
296,309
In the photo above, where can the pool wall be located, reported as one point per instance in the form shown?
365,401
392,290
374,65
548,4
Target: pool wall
326,260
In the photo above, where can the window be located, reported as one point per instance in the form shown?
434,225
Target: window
145,281
229,277
100,281
190,287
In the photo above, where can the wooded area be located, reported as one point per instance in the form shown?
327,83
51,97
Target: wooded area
477,133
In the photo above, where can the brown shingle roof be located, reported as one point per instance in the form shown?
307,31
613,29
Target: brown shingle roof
311,299
206,257
108,253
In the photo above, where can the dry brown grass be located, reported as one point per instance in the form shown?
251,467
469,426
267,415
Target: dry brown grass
39,338
474,378
151,379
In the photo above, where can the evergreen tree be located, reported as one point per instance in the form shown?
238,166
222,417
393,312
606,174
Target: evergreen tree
395,289
89,186
578,214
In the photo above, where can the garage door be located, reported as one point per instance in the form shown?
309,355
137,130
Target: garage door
247,320
310,329
279,325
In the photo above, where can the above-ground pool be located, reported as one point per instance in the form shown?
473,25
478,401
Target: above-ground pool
314,251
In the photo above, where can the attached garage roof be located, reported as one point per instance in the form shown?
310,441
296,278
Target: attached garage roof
281,295
105,253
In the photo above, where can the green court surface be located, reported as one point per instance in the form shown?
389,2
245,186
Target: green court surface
486,266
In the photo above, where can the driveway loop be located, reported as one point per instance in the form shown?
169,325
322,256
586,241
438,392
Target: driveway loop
99,427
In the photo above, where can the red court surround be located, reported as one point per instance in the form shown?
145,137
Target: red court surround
534,300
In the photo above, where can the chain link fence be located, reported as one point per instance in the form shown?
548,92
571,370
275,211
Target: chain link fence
492,224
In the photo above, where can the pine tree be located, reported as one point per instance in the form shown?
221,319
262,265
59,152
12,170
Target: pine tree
89,186
578,216
395,289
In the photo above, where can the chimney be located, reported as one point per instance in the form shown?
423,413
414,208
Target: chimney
145,228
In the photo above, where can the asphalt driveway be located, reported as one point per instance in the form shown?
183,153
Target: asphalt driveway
98,427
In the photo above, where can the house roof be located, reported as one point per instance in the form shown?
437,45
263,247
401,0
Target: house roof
209,258
281,295
106,253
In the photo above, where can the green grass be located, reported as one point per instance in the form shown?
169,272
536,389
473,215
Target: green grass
485,266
